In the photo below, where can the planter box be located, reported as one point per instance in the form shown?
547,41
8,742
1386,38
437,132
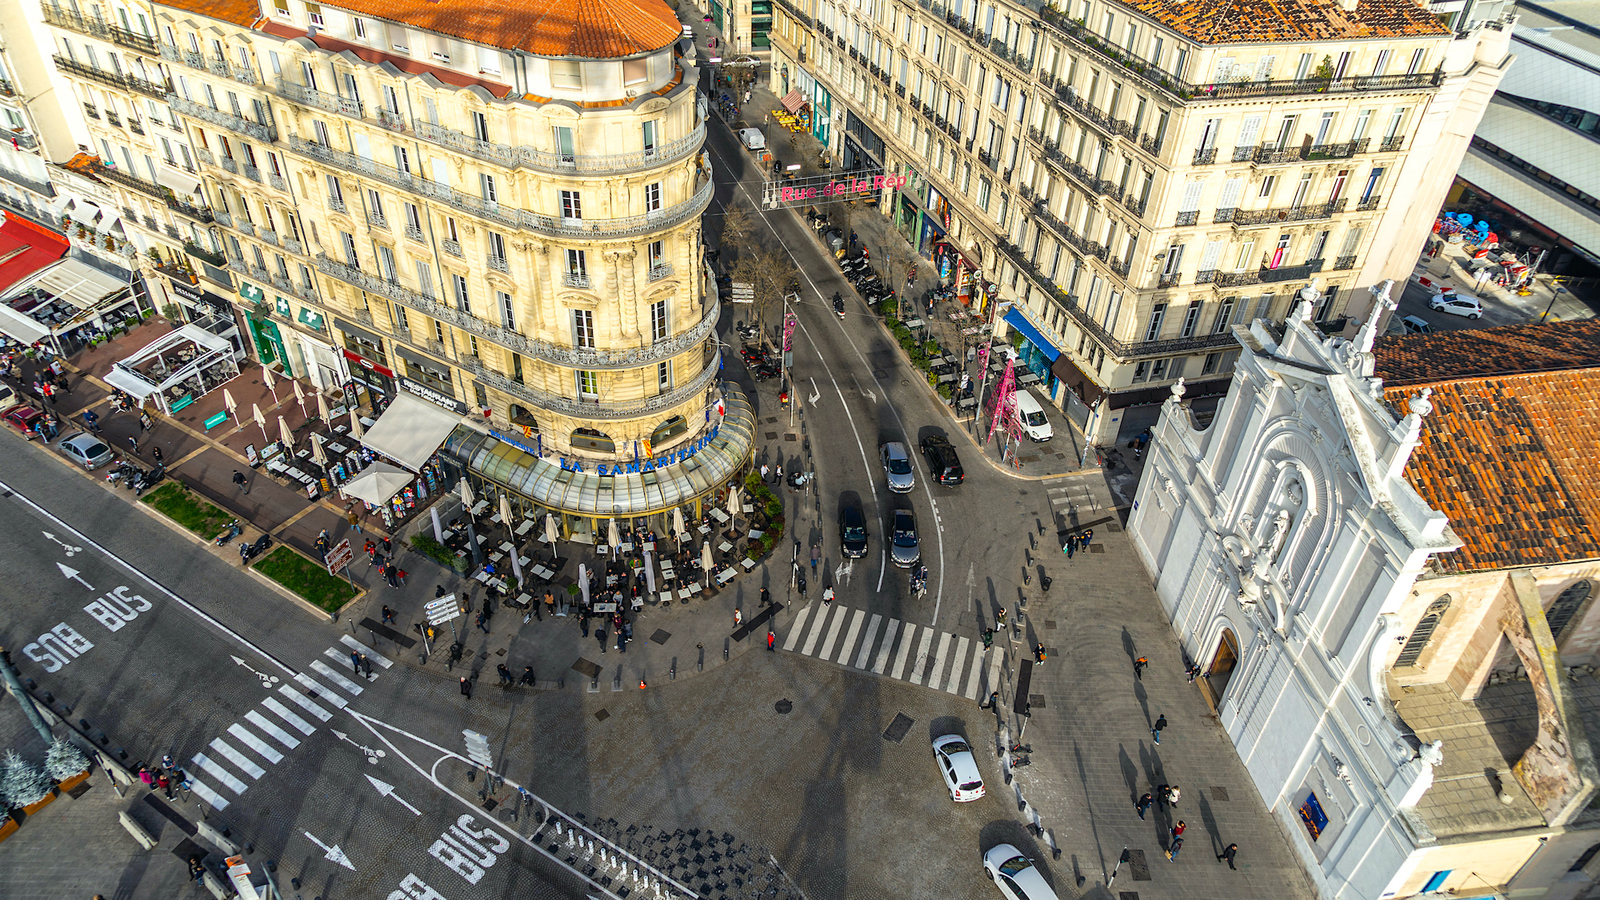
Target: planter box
45,801
69,785
8,827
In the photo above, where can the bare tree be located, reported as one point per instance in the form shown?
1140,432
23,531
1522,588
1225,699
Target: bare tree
769,274
737,226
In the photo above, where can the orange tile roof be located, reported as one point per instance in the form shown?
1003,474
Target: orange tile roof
239,12
1260,21
1514,462
1482,352
596,29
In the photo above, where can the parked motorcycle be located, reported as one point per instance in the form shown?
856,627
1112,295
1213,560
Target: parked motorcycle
249,551
149,479
233,531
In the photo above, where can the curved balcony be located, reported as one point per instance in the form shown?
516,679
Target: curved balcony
570,357
553,226
596,409
236,124
561,163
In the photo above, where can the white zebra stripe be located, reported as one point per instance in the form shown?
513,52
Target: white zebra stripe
204,792
299,724
239,759
303,702
219,773
953,683
887,647
797,630
938,661
866,642
323,669
377,659
263,723
905,649
919,668
249,739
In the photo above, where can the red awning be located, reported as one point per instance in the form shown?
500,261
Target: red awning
793,101
25,248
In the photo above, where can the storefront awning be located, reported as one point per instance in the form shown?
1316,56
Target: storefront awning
410,430
179,183
21,327
74,281
1017,320
626,494
793,101
130,383
377,483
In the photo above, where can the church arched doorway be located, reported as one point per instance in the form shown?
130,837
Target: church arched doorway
1214,680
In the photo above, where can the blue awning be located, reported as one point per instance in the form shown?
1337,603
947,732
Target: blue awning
1017,320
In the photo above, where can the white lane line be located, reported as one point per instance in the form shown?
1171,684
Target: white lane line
833,634
248,738
971,693
905,650
887,647
919,668
273,731
994,668
866,642
219,773
816,629
204,792
303,702
326,671
850,636
953,683
938,660
797,630
377,658
239,759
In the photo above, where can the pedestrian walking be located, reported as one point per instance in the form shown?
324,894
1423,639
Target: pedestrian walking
388,546
366,666
766,472
1039,658
738,617
1070,547
388,616
355,661
1087,535
353,517
988,638
91,419
196,870
1172,796
1163,795
994,699
466,688
766,597
816,556
1178,829
1143,805
583,622
133,444
146,776
600,635
239,482
144,421
158,456
778,474
164,782
527,676
1172,853
1138,668
483,622
394,575
550,603
772,642
1231,851
49,391
505,675
1155,732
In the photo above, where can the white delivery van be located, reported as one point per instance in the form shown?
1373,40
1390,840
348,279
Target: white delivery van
752,139
1031,415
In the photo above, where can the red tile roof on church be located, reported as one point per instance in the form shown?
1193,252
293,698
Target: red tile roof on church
1511,451
1263,21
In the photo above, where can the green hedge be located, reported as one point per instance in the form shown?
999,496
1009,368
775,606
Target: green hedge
440,554
307,578
183,506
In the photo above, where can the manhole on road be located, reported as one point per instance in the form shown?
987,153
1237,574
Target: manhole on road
784,707
899,728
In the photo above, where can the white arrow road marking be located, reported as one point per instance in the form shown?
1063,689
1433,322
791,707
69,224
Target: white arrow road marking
332,854
72,575
387,790
267,681
372,755
816,394
71,551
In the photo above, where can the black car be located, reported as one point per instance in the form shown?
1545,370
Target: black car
852,532
942,460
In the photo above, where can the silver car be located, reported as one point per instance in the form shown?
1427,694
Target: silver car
903,544
897,469
86,450
1015,875
959,768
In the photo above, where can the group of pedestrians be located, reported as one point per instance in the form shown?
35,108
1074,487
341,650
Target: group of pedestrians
1076,543
379,554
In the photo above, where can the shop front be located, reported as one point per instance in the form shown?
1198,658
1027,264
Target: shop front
368,380
659,490
264,333
1036,352
822,106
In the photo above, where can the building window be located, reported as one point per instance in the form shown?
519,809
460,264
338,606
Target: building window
458,286
1423,633
491,191
1157,316
480,126
652,197
658,320
1566,608
497,251
588,385
664,376
583,328
1267,184
571,205
348,241
635,71
1212,363
1224,313
566,74
1191,319
508,316
577,264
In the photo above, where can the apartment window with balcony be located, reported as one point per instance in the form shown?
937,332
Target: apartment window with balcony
1374,180
319,128
508,310
1224,315
458,289
1417,57
652,197
1285,132
1246,258
664,376
1324,129
1318,244
375,209
565,151
335,192
1341,67
1173,264
1301,191
413,221
658,321
577,265
1381,63
1191,319
583,328
480,126
1302,68
650,131
348,242
1158,316
571,205
656,253
386,264
588,386
497,252
486,184
1363,120
402,159
1395,122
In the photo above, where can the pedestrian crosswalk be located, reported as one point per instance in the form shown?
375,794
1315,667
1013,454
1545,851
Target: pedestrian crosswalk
234,760
903,651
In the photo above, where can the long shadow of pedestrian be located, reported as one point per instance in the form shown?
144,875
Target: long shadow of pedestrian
1130,774
1144,703
1094,827
1209,820
1128,646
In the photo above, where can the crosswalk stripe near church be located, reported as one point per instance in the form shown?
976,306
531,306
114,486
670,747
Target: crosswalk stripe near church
956,664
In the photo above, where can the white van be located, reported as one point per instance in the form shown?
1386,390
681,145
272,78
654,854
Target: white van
1031,415
752,139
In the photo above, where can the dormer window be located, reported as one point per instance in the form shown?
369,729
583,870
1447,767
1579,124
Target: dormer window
635,71
566,73
314,14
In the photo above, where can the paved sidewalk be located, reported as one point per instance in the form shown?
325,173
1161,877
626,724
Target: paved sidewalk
1093,753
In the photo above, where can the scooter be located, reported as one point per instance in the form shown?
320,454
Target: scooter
148,479
233,531
748,332
249,551
838,305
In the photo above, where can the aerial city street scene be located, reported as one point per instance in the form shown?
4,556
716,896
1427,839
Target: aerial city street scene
828,449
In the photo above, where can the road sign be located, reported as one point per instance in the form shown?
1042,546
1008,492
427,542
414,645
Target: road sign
340,556
442,610
448,601
443,616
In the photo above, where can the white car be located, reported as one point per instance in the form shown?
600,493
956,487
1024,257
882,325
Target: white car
1457,304
1015,875
959,768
